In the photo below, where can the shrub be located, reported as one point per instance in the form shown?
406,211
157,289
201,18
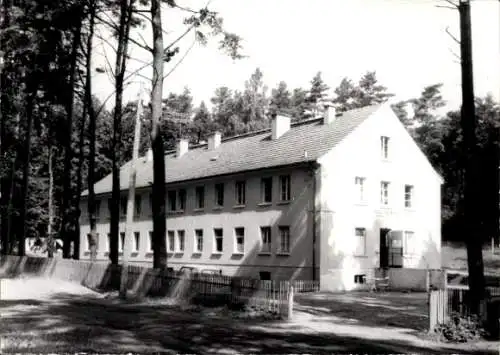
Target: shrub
460,329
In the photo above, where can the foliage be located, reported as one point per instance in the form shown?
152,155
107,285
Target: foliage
460,329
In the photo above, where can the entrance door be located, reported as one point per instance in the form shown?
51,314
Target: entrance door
384,247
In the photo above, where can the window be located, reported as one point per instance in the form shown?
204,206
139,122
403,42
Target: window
218,238
360,188
110,203
360,279
181,240
109,243
384,147
240,193
198,240
182,199
266,189
265,237
137,238
171,241
172,201
121,242
285,188
360,242
384,193
138,205
219,195
123,205
239,234
200,197
151,202
284,240
88,243
408,196
97,208
409,242
264,275
150,246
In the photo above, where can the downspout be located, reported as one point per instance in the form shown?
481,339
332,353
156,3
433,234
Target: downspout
314,170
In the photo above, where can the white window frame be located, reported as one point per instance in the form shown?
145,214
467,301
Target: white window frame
150,241
285,187
384,147
265,239
409,196
384,193
240,192
284,245
360,235
121,241
216,237
408,242
197,238
181,241
359,183
171,241
137,242
237,249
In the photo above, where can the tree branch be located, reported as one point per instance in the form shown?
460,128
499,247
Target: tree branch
447,30
180,60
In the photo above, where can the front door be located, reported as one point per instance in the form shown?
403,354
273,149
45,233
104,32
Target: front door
384,247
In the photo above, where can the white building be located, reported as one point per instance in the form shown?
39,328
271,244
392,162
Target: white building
313,200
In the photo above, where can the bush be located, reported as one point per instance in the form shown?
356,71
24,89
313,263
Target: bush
460,329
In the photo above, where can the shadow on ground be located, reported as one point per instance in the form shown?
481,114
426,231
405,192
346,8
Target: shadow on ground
83,324
391,309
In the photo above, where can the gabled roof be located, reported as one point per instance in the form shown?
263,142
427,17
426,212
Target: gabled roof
306,141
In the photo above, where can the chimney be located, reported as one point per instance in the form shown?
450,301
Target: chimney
329,115
182,147
280,125
214,140
149,155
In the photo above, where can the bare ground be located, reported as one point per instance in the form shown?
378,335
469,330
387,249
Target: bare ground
70,318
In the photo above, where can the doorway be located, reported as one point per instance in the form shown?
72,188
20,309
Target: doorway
384,247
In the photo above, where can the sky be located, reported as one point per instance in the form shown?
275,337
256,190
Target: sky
404,41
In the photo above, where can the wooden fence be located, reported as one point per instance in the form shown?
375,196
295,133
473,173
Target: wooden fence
273,296
454,298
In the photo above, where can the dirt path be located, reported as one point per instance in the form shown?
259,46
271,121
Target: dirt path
71,322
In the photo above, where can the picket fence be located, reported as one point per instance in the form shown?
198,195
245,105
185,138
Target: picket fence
272,296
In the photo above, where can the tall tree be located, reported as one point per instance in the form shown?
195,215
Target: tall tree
159,217
281,101
67,211
317,95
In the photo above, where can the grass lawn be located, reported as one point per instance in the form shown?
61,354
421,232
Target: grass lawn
454,256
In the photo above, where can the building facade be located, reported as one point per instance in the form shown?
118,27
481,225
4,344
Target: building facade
328,199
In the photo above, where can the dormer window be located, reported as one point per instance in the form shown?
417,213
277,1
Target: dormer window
384,147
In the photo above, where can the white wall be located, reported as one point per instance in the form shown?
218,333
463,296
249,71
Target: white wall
296,214
359,155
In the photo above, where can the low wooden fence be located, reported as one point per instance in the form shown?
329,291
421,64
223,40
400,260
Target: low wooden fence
273,296
453,298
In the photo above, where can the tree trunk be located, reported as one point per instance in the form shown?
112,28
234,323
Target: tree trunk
67,218
474,238
79,183
26,169
159,217
5,140
131,200
91,206
120,65
50,239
